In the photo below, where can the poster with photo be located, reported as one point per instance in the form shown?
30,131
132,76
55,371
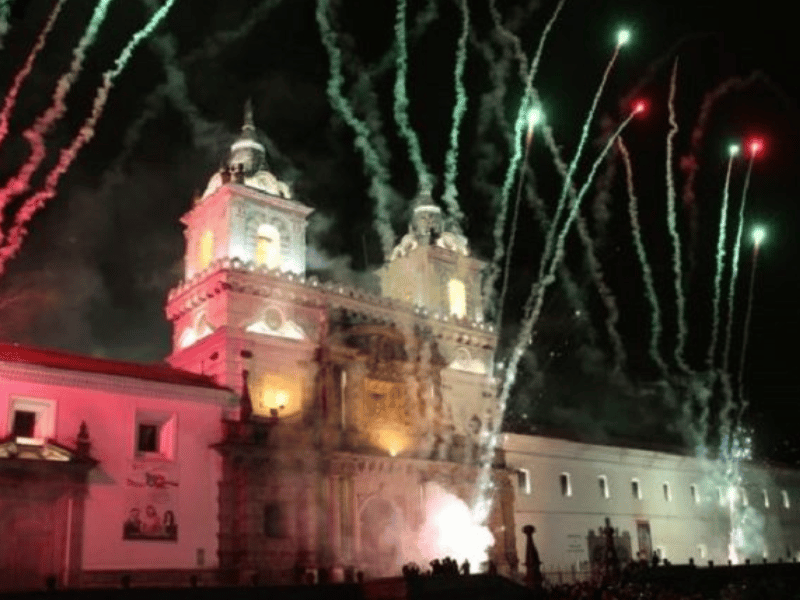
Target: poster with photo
151,503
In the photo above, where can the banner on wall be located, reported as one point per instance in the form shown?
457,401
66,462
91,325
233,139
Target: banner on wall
151,502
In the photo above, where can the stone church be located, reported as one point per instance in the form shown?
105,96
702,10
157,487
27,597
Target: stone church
354,403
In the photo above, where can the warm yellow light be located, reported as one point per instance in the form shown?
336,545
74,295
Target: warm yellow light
268,247
206,250
392,441
272,391
458,298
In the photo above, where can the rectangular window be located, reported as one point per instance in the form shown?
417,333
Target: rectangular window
274,520
702,550
31,418
524,481
458,298
602,480
636,489
24,424
695,495
743,496
566,485
766,499
667,492
155,434
723,497
147,438
785,498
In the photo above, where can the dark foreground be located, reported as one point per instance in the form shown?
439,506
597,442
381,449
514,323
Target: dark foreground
751,582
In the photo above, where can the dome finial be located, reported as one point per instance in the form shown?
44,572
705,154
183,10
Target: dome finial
249,123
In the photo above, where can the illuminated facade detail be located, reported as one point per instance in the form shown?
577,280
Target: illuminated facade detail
205,252
268,246
272,322
457,295
195,332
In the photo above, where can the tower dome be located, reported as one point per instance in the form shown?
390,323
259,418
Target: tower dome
247,164
247,153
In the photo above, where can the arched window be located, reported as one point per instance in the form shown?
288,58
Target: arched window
205,252
458,298
268,246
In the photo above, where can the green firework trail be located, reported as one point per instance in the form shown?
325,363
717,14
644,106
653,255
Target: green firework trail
483,505
450,196
379,175
746,333
595,268
723,225
558,252
737,248
680,302
529,100
205,133
67,156
5,13
401,100
725,377
499,228
561,204
647,272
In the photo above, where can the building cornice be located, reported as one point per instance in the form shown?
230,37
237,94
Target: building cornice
38,374
234,275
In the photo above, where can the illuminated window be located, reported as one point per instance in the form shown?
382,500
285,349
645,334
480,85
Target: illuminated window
603,482
695,496
458,298
636,489
667,492
524,481
785,498
702,550
566,485
743,496
268,246
205,252
766,499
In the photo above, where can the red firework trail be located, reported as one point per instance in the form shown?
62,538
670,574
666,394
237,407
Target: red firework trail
20,183
67,156
22,75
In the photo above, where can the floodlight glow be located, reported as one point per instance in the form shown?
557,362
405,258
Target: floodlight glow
623,37
759,233
734,149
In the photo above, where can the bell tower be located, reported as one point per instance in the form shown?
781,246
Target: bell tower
246,213
433,268
245,254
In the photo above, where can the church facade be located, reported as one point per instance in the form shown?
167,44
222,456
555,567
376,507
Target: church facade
307,430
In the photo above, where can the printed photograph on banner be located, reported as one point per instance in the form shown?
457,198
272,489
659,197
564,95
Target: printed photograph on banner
151,503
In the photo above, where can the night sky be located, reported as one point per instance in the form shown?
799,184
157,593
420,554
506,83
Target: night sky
95,270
